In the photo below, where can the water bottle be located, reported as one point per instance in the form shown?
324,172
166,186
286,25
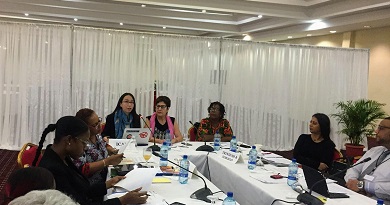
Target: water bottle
217,141
183,174
252,158
168,139
379,202
233,144
164,153
292,172
229,200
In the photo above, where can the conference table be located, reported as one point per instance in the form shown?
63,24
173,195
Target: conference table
249,187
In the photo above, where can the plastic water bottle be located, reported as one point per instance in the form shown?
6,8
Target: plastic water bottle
168,139
252,158
183,174
379,202
233,144
164,153
229,200
292,172
217,141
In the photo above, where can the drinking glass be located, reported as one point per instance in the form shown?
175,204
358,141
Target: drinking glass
147,155
212,198
185,138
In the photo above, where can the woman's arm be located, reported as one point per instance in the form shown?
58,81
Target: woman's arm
227,132
178,135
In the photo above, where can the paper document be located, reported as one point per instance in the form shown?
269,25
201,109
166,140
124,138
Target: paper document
123,147
141,177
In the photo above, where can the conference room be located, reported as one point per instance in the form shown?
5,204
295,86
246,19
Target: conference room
57,57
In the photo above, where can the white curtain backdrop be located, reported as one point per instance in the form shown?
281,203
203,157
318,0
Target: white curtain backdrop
272,90
35,80
187,72
108,63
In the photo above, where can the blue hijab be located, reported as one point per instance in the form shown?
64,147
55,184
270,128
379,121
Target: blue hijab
120,121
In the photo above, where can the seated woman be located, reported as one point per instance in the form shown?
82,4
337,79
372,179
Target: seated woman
215,121
70,139
159,122
316,149
43,197
124,116
93,164
22,181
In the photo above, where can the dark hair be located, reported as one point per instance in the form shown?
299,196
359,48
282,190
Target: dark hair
324,122
221,108
22,181
165,100
84,114
387,118
68,125
118,105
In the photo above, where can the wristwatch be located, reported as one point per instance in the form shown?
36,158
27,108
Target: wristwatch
360,184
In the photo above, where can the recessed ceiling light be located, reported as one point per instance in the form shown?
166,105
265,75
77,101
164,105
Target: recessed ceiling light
75,19
308,34
289,36
204,11
273,39
26,14
164,27
244,34
143,5
333,31
367,26
260,16
121,24
247,38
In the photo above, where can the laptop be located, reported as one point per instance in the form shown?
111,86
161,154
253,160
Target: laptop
140,135
312,176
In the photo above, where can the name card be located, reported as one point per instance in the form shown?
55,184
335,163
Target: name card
233,157
118,143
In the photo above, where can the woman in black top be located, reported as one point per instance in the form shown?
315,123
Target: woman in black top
71,136
124,116
316,149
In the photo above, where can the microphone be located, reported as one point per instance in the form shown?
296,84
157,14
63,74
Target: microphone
154,147
309,199
200,194
204,147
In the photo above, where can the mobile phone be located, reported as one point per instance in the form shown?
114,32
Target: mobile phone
276,176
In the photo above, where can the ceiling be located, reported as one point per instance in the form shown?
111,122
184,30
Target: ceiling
215,18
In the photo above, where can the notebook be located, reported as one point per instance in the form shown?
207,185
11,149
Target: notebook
312,176
141,135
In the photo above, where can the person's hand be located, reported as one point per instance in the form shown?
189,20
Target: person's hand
134,197
322,166
105,139
112,150
114,159
352,185
110,183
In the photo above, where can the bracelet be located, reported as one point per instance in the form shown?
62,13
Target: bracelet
104,163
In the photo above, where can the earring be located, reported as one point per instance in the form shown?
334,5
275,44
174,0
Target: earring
69,143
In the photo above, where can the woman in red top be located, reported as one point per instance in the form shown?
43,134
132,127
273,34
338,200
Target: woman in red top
215,121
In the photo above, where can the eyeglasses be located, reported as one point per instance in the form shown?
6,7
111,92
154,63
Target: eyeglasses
380,127
85,142
96,125
128,102
214,109
161,106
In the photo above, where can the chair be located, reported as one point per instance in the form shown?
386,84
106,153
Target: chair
27,154
193,131
339,164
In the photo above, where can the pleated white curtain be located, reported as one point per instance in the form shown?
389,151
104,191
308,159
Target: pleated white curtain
272,90
108,63
188,73
35,80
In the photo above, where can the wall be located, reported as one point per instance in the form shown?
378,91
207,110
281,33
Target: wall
378,41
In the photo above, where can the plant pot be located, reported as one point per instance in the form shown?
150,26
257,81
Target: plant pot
354,150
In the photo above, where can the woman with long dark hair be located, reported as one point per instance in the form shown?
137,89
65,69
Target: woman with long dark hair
316,149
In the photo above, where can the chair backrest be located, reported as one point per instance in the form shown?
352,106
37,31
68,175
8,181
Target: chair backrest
192,133
337,155
27,154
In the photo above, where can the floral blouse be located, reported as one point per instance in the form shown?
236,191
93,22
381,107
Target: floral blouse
93,153
205,128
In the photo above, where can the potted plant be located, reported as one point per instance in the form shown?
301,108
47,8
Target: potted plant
358,120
